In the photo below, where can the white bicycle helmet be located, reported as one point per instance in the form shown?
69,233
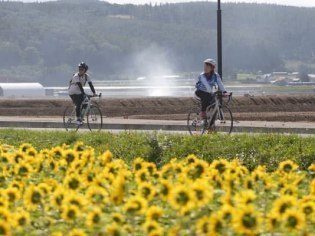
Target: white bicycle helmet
210,61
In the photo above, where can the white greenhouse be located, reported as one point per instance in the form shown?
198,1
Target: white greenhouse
21,90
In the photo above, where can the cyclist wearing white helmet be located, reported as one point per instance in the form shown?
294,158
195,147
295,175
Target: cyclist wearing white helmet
206,82
76,91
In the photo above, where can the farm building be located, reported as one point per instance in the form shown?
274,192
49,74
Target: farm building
21,90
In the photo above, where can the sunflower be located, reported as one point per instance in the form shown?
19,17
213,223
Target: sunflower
221,165
312,188
33,197
105,158
114,229
146,190
294,221
289,189
58,197
57,152
118,218
94,217
216,225
151,227
196,170
245,197
142,175
154,213
70,156
75,200
202,191
226,212
96,195
308,208
203,226
138,164
70,213
72,182
191,159
136,205
5,215
118,190
182,199
21,218
246,221
164,189
287,166
77,232
23,169
13,194
273,221
4,228
4,202
283,203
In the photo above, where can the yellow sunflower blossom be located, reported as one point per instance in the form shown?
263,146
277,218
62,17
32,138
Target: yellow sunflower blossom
5,215
216,225
136,205
247,221
283,203
33,198
294,220
245,197
77,232
152,228
182,199
13,194
308,208
114,229
21,219
70,213
97,195
5,228
118,218
23,169
105,158
203,226
94,217
73,182
146,190
154,213
202,191
312,188
286,167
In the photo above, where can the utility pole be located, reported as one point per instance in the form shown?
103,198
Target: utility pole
219,35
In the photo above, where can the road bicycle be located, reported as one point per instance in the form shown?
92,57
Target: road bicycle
219,116
90,112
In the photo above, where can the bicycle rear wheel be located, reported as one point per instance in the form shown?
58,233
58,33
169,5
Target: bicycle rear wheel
223,121
94,118
70,119
195,124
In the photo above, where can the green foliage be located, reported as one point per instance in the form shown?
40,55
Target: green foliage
252,150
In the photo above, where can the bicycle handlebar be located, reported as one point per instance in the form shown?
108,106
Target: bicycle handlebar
93,96
221,94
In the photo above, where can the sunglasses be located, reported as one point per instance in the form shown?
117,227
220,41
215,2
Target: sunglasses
81,69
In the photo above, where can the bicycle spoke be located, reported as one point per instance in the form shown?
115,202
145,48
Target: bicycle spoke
195,125
94,118
69,119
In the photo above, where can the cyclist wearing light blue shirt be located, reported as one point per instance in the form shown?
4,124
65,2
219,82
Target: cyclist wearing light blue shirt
206,82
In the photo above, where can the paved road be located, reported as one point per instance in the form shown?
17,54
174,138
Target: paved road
166,125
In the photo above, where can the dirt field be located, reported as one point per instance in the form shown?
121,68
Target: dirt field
268,108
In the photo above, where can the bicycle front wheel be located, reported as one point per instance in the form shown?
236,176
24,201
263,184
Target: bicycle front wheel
195,124
70,119
223,121
94,118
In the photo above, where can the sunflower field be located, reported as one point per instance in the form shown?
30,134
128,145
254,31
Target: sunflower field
75,190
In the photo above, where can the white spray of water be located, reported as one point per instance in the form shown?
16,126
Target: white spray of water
155,71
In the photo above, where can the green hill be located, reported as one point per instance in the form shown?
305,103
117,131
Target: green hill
45,41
